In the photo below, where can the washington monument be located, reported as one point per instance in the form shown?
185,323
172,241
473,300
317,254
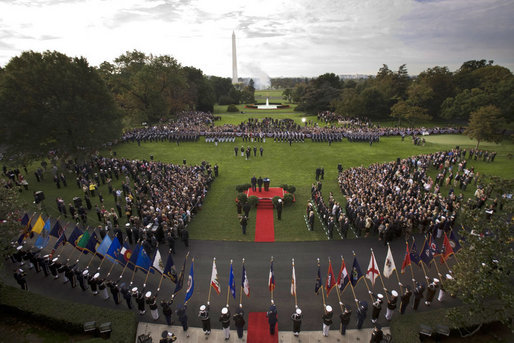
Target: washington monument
234,59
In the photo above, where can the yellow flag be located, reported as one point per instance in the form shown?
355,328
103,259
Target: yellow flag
38,226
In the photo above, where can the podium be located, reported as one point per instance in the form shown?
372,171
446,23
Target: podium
266,184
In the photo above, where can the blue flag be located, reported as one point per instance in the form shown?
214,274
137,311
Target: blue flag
414,255
356,274
76,233
61,240
433,248
319,282
24,220
232,282
426,253
56,230
454,241
143,260
44,237
103,248
113,254
133,255
92,243
190,282
180,280
169,269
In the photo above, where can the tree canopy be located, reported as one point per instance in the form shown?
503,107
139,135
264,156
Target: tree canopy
49,101
486,124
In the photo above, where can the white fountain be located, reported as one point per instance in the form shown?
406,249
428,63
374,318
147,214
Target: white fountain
267,106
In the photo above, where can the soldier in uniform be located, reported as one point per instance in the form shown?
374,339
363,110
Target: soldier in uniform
431,290
442,291
166,310
272,317
345,318
81,278
239,321
70,275
182,317
93,283
296,317
377,306
43,262
279,209
405,299
54,267
418,294
244,222
19,276
115,291
391,305
151,300
327,319
361,313
377,335
125,292
206,320
225,322
140,300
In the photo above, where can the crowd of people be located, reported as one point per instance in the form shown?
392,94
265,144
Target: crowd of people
399,198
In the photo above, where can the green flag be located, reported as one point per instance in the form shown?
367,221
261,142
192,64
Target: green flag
83,240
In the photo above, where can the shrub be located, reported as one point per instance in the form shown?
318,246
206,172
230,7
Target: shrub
253,200
243,188
288,199
225,100
291,189
242,198
232,108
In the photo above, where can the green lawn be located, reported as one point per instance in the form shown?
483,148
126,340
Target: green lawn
294,165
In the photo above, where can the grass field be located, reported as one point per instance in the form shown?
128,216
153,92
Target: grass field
294,165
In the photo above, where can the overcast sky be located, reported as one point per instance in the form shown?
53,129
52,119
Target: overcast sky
275,37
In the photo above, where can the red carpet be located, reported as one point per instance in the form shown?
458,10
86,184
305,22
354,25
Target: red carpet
264,228
272,192
258,329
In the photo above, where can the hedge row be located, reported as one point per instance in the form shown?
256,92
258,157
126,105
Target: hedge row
68,316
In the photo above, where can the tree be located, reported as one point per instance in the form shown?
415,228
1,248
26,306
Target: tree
287,95
440,80
461,106
10,213
486,124
483,277
49,101
406,111
200,92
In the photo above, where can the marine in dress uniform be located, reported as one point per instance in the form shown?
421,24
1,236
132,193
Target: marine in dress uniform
377,306
203,314
377,335
418,294
297,317
327,319
151,300
279,209
431,290
225,322
405,299
391,305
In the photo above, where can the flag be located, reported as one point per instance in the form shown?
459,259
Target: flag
158,264
343,279
389,265
356,272
24,220
232,282
61,240
454,241
414,255
426,252
293,282
169,269
214,278
331,279
44,237
75,234
271,279
82,241
38,226
113,254
180,279
190,282
132,255
143,260
406,260
56,230
92,243
245,284
103,248
22,237
373,271
319,282
447,249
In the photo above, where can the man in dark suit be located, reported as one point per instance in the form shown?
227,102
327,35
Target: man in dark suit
259,181
254,184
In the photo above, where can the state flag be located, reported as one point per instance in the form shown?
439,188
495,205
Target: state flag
373,271
245,284
214,278
343,279
414,255
319,282
169,270
190,282
180,279
103,248
389,265
454,241
113,254
92,243
38,226
426,252
60,241
44,237
356,272
271,278
143,260
331,279
24,220
232,281
75,235
447,249
406,260
133,255
157,263
81,242
293,282
56,230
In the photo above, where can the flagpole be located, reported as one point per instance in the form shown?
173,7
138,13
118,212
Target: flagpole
365,282
90,260
160,280
351,286
241,292
228,287
210,286
133,274
295,298
338,295
146,277
380,275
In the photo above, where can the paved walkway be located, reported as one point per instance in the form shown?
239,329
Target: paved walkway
197,335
